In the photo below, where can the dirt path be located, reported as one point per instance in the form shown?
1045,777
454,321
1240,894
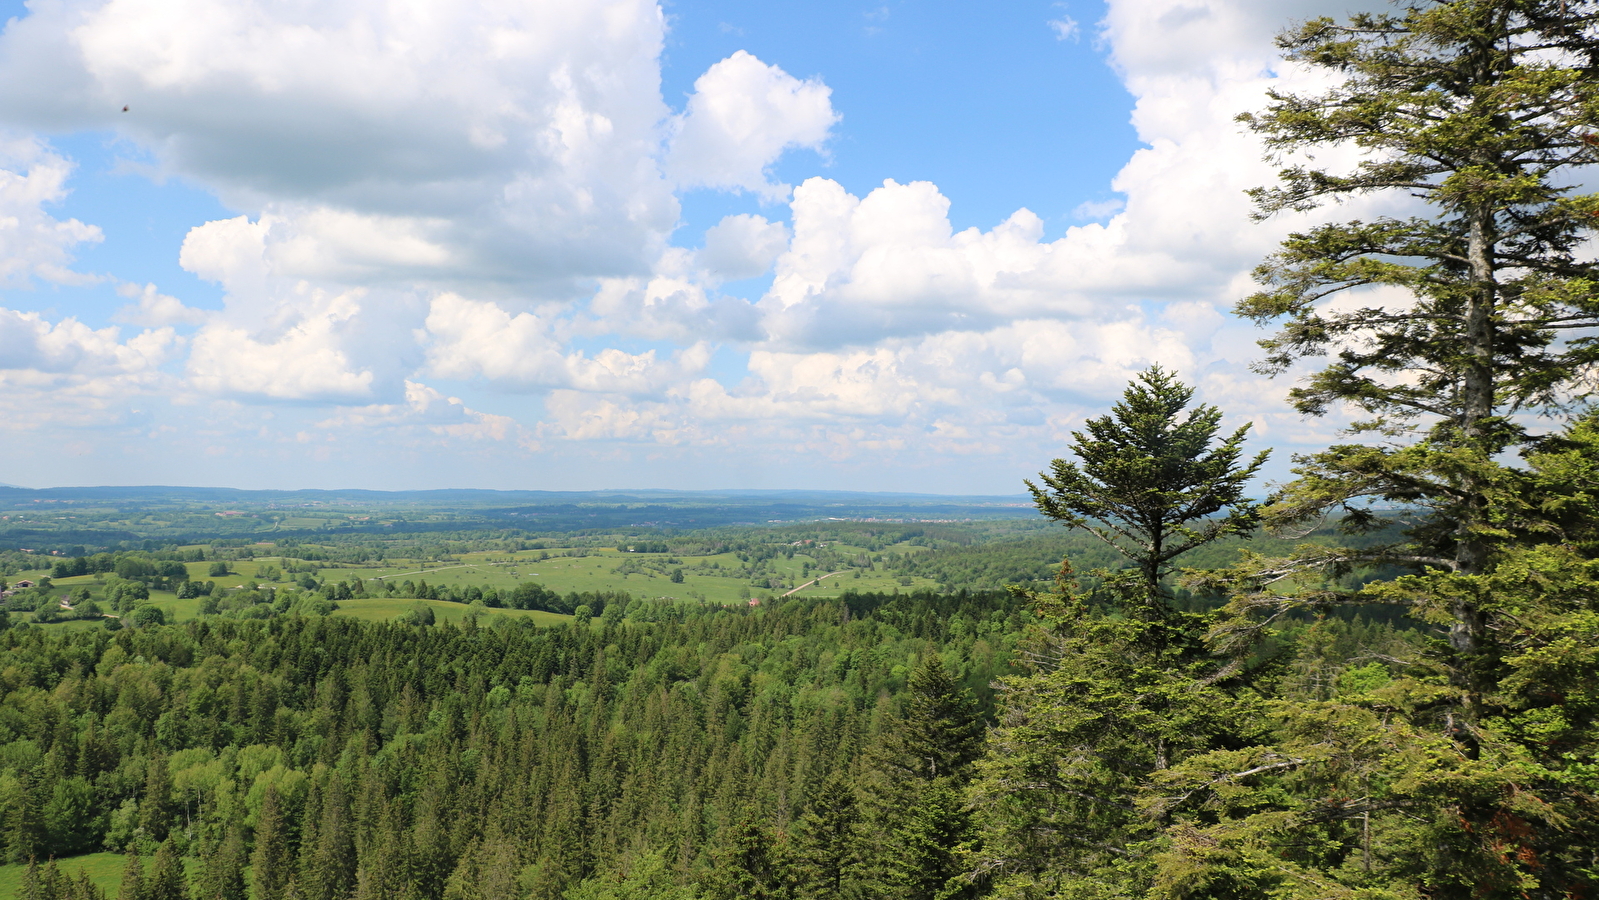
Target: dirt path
423,572
813,581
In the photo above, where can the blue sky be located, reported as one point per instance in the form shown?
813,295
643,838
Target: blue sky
610,243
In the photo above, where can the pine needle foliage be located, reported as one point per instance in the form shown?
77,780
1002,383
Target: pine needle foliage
1150,479
1484,111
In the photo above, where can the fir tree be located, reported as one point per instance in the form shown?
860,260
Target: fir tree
330,874
223,877
1099,716
84,888
132,887
941,732
25,830
156,809
1109,702
1485,111
53,884
923,765
271,863
1150,484
828,843
167,879
33,884
647,878
750,865
926,863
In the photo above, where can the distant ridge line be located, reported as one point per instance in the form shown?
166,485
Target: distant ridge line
153,491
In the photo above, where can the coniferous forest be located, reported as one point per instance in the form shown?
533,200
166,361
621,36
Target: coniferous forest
1386,687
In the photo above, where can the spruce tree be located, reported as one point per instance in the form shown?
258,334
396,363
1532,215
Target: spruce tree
749,864
1099,717
646,878
1110,702
167,880
83,888
33,884
271,863
1152,482
53,884
940,732
25,830
132,887
223,874
1425,775
330,874
1390,781
1485,111
827,856
923,764
156,809
926,863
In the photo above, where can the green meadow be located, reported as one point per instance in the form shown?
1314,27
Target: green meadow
377,609
105,870
720,579
713,579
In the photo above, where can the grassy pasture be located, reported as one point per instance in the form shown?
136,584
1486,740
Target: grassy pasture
714,578
105,870
376,609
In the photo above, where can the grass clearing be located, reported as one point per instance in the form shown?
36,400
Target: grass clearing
722,579
105,870
715,578
379,609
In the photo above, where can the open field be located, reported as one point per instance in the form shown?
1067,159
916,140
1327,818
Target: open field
718,578
105,870
722,578
371,609
377,609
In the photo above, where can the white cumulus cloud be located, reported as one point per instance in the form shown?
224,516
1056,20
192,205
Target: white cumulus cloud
478,339
741,117
505,143
742,246
33,244
155,308
485,195
306,359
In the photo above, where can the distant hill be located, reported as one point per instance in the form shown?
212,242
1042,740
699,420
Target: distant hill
492,498
73,517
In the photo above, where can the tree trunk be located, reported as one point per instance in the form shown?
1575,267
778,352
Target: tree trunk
1478,406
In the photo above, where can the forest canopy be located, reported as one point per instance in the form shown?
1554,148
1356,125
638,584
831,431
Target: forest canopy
1378,681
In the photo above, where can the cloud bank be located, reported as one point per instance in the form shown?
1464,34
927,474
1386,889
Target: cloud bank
441,199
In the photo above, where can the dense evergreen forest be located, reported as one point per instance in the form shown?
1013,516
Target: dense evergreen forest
1381,682
720,749
803,749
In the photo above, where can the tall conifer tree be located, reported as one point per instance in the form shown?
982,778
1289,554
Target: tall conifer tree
25,830
132,887
1152,482
330,874
271,862
828,843
156,809
167,880
33,883
1109,702
1427,776
223,874
1485,110
923,766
